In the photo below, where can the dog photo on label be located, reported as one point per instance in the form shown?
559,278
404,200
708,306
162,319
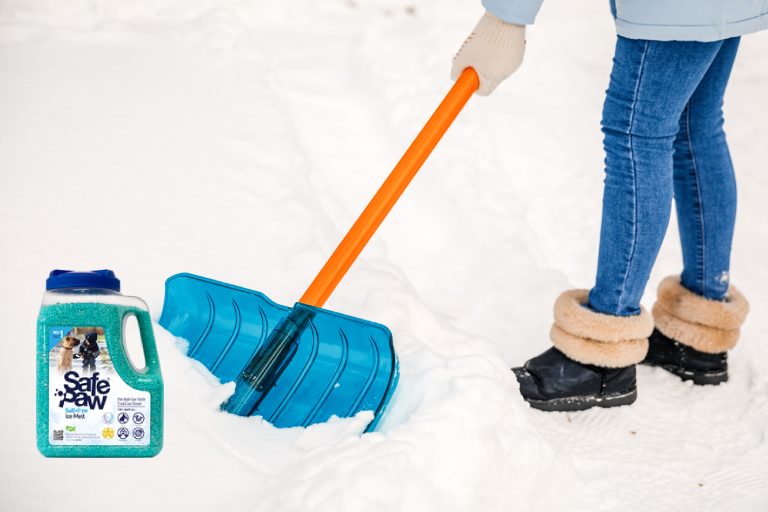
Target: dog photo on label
64,362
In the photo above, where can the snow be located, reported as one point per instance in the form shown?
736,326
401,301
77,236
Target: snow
239,141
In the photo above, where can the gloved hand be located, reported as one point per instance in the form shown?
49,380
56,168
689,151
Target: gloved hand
494,49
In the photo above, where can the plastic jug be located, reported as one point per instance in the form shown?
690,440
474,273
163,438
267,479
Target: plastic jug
91,400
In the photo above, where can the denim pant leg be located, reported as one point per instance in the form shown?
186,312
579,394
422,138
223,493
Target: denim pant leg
651,83
705,186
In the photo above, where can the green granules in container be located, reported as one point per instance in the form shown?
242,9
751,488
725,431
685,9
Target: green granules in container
91,401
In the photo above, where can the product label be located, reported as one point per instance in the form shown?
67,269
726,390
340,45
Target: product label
90,404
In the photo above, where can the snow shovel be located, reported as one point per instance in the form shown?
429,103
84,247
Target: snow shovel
302,365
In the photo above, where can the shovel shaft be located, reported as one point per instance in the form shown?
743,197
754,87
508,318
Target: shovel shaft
376,211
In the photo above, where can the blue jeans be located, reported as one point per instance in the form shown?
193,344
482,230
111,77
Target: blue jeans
663,126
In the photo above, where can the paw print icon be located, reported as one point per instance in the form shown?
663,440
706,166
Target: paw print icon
123,433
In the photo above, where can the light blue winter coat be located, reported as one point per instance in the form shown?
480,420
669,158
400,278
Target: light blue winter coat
661,20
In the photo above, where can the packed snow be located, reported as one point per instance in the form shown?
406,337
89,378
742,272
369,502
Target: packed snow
240,140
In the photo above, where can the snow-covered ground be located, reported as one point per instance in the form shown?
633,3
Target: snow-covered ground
239,141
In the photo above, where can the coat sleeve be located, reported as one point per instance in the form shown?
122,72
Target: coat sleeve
519,12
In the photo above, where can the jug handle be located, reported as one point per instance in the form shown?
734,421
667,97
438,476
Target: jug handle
147,335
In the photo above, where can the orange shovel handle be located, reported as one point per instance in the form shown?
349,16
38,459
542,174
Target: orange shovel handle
376,211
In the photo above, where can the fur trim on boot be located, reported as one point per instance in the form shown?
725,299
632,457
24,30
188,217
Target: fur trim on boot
598,339
706,325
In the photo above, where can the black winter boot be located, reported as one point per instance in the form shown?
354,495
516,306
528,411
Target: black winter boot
686,362
693,334
593,361
552,382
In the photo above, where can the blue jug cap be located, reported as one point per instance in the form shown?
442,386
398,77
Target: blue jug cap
79,279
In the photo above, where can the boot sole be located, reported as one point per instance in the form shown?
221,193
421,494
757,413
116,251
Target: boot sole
698,378
580,403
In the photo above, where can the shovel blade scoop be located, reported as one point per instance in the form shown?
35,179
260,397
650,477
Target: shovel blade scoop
318,363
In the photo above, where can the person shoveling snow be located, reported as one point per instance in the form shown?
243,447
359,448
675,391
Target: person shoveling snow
664,138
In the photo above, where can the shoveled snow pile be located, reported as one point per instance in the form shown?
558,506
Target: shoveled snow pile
240,140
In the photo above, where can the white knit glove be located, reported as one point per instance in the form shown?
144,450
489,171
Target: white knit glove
494,49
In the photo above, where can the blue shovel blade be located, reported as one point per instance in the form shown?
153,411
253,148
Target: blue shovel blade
341,365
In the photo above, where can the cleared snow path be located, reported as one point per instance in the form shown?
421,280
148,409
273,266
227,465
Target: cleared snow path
239,140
